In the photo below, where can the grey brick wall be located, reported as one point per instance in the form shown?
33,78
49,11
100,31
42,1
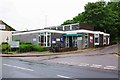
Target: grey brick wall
27,38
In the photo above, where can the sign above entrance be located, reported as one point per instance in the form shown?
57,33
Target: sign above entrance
72,35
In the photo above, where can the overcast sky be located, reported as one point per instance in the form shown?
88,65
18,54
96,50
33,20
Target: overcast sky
36,14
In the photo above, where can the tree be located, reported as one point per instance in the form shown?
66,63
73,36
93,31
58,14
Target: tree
104,16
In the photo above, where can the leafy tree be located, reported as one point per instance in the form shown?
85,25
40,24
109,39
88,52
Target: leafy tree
104,16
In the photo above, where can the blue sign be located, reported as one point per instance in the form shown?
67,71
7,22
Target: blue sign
61,40
53,39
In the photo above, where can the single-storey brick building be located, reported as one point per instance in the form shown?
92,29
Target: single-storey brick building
72,35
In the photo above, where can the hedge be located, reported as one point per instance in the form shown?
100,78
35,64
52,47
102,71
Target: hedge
28,47
39,48
24,47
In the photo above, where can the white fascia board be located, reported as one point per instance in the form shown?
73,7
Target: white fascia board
99,32
71,32
96,32
106,34
39,31
80,31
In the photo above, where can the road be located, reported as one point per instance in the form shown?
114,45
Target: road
16,68
100,58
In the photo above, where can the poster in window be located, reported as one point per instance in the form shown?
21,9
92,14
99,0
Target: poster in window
61,40
57,39
34,39
91,39
53,40
79,38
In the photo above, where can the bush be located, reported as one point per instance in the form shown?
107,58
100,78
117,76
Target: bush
24,47
27,47
39,48
5,47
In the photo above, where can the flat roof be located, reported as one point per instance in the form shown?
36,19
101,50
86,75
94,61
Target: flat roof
37,31
58,31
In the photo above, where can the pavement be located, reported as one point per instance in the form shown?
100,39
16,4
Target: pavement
37,54
106,50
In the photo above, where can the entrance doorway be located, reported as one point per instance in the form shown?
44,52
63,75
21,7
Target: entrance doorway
70,41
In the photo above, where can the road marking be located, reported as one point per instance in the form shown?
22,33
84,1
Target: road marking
92,65
63,76
96,65
110,67
18,67
83,64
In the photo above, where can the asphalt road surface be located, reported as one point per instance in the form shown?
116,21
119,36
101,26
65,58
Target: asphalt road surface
16,68
100,58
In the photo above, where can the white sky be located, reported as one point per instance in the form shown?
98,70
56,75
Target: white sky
33,14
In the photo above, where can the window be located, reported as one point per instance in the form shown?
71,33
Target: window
104,40
67,28
48,40
60,28
86,41
67,41
53,28
39,39
42,40
75,27
96,40
96,34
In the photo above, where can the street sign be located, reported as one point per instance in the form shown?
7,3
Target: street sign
14,44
